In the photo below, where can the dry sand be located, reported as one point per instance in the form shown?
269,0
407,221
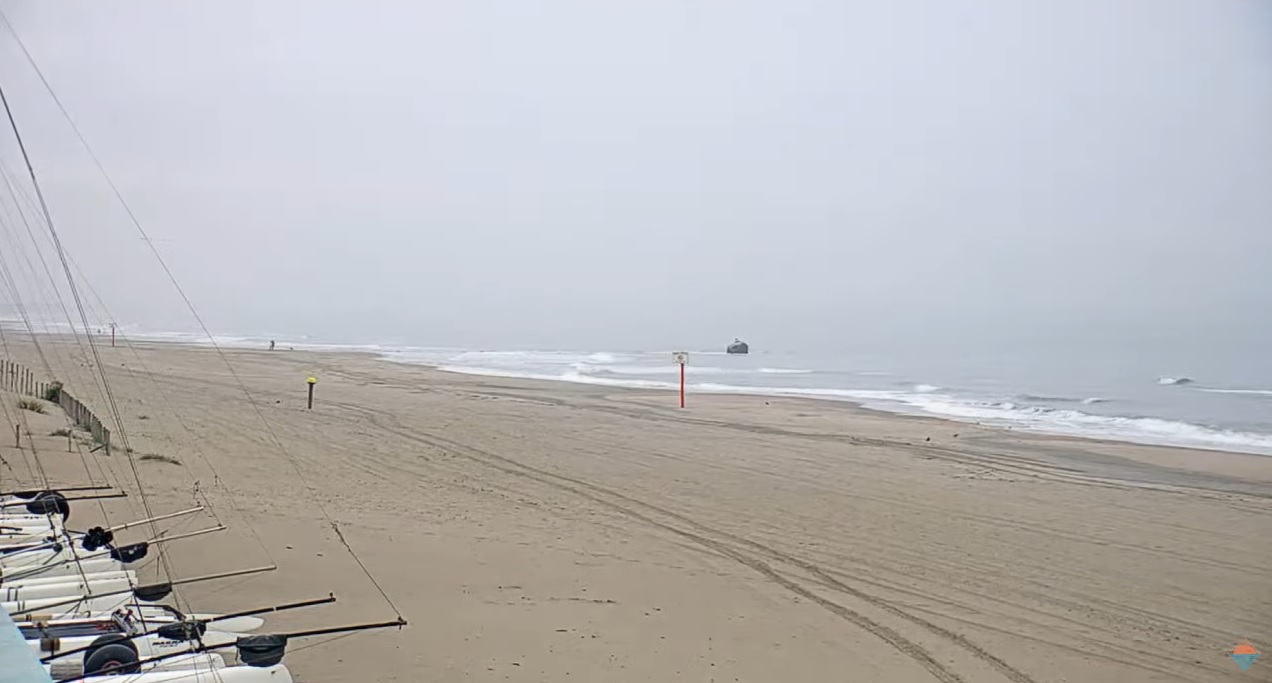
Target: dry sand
554,532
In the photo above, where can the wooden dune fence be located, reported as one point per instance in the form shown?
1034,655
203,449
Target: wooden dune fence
19,379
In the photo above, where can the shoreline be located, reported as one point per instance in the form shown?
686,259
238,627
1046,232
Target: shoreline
888,405
532,530
892,405
386,355
1151,464
876,406
1146,463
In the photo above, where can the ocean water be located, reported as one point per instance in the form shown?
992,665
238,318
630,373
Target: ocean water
1122,404
1148,393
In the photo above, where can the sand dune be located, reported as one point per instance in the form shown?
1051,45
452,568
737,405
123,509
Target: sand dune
535,531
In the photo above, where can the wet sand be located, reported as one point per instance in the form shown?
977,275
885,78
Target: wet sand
537,531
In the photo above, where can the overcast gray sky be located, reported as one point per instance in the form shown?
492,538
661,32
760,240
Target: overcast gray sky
572,173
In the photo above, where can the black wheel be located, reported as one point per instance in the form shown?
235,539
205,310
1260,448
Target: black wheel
107,640
49,503
112,658
108,660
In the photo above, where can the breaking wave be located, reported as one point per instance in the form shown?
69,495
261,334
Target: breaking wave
1034,398
1243,392
1072,422
931,400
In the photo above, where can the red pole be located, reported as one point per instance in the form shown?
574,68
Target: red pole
682,385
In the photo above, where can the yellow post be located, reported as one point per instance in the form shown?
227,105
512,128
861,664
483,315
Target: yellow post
311,381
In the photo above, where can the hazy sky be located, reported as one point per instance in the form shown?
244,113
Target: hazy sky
578,173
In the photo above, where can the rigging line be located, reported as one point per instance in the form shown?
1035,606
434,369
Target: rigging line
14,207
8,416
217,480
7,279
93,293
4,342
54,374
114,407
74,329
104,387
102,463
65,373
165,561
13,192
12,420
12,284
39,475
7,222
86,457
26,320
172,278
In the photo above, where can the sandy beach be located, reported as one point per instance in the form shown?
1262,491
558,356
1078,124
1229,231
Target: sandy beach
534,531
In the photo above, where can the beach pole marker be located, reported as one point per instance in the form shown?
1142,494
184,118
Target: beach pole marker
681,358
311,382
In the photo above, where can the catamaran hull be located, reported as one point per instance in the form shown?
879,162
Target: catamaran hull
147,646
21,534
36,581
67,590
83,609
33,558
202,662
230,674
155,618
51,575
104,607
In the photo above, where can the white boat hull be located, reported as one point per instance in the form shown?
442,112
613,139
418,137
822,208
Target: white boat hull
104,607
50,556
230,674
60,572
41,580
147,646
147,618
65,590
83,609
202,662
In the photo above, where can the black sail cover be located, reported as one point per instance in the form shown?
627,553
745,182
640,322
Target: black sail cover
182,630
130,553
97,538
262,650
153,593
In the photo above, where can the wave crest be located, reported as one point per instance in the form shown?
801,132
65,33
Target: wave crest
1242,392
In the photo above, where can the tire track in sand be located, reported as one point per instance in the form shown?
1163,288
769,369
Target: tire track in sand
720,542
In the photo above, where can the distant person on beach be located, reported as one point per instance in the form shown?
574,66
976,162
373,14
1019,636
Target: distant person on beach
271,345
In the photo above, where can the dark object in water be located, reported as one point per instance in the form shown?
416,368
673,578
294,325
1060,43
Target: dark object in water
738,346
